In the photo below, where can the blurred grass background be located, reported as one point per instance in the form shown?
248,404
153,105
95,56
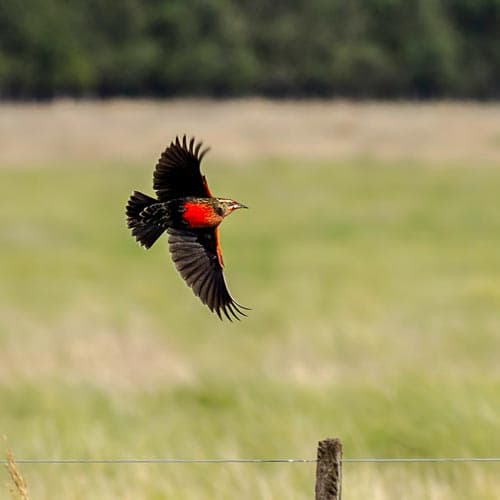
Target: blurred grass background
373,275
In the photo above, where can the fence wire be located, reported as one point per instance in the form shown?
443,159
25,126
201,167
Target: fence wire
63,461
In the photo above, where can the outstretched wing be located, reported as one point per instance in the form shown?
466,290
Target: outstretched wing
197,257
177,173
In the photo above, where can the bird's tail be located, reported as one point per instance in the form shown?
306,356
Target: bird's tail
146,218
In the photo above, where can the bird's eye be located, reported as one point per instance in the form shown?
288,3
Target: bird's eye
220,210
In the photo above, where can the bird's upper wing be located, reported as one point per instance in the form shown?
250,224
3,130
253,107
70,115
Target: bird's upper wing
177,173
197,257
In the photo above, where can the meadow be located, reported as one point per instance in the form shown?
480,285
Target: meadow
370,259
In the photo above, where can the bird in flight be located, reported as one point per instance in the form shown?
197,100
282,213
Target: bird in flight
190,214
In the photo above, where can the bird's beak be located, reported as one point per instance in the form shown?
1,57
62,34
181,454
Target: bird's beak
237,205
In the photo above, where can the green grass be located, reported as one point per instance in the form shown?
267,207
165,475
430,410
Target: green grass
375,291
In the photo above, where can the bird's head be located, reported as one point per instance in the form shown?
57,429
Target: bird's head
227,206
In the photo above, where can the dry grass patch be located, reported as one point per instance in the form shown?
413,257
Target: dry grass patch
17,487
67,132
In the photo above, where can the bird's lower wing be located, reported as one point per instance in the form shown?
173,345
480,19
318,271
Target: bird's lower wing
197,257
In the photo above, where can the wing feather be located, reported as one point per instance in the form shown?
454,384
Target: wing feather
195,256
177,173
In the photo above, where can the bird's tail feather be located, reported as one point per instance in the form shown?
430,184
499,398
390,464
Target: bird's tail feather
145,217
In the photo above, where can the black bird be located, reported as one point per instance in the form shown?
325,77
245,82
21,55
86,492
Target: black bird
188,211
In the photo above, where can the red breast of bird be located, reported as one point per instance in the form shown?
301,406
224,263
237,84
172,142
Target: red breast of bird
207,212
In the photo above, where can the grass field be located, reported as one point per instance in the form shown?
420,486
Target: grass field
374,283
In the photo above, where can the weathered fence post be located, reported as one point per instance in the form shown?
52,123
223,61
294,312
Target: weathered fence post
329,470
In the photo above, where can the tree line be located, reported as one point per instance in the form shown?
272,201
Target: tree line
278,48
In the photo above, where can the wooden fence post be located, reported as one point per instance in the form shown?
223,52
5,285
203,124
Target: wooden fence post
329,470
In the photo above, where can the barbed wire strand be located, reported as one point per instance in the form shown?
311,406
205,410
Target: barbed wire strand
89,461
